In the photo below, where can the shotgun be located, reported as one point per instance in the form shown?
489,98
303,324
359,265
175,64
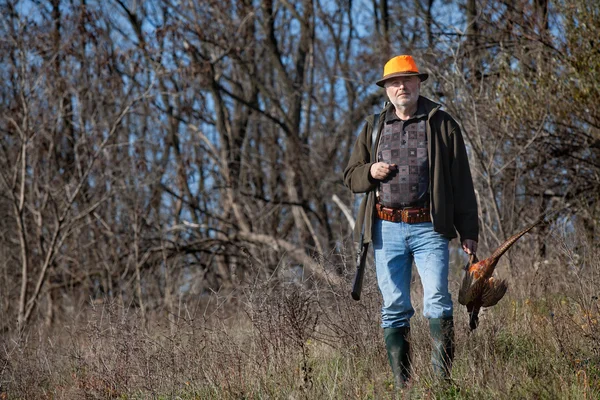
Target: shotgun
361,260
361,255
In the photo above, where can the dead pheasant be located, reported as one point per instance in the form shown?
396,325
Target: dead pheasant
479,288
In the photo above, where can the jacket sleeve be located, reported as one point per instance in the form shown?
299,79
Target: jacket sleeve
465,204
356,174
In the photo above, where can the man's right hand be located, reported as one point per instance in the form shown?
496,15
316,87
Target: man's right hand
381,170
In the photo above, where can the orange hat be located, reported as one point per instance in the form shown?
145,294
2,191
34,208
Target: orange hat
400,66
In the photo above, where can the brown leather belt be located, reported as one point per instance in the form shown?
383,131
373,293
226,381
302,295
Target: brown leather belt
409,215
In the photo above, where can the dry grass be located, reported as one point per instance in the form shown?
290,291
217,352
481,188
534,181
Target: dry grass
284,340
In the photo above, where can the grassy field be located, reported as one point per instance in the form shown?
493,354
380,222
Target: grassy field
277,340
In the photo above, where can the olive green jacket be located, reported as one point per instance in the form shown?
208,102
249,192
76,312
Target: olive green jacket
452,197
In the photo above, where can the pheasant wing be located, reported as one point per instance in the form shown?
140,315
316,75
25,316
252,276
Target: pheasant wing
465,293
493,291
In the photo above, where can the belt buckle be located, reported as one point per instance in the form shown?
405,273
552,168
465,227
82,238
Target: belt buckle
405,216
396,215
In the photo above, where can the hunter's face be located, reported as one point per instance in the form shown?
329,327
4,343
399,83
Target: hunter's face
403,91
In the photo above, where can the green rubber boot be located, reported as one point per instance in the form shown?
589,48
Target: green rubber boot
442,352
398,348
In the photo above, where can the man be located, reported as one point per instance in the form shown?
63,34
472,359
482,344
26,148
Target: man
424,194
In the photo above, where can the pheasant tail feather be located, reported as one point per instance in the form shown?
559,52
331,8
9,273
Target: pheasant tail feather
511,240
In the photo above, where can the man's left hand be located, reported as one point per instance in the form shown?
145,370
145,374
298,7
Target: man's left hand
469,246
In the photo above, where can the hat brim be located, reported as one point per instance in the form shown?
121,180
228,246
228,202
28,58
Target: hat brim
423,76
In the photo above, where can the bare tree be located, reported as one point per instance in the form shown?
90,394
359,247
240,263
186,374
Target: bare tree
154,151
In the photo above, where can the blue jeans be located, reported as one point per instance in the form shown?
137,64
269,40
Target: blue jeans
396,244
